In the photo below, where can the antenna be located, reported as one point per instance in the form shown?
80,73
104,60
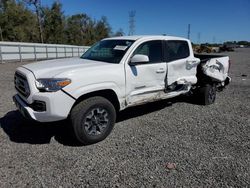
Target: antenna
131,22
188,35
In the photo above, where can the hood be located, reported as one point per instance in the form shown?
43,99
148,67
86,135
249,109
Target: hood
52,68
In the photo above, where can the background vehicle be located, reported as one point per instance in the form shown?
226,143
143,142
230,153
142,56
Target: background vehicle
226,48
206,49
203,48
215,49
112,75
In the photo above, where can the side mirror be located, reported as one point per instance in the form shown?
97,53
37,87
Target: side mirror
138,59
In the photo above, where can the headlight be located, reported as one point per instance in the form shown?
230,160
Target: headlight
52,84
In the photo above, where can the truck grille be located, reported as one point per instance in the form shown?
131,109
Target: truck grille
21,84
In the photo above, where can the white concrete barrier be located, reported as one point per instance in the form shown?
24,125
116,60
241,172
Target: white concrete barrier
20,51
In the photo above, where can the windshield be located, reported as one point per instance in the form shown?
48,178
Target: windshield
111,51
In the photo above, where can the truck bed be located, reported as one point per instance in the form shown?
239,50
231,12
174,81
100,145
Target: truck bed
214,66
205,57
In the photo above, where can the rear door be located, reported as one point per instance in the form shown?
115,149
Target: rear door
144,81
181,64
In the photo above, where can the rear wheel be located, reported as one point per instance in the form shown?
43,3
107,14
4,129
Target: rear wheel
93,119
207,94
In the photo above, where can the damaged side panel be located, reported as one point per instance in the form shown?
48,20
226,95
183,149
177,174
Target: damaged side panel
217,68
181,63
144,81
150,97
182,71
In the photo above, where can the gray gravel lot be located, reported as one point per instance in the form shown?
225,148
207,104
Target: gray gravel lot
209,144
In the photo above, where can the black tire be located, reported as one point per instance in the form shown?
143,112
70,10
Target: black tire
207,94
93,119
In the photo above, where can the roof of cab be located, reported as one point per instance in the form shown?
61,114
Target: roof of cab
159,37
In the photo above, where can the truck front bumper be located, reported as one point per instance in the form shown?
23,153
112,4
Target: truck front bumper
57,106
22,107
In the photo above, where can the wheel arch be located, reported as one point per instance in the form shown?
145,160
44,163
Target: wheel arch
108,94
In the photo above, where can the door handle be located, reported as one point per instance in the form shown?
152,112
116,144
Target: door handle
161,70
191,62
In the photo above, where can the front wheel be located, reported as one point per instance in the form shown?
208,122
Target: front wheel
207,94
93,119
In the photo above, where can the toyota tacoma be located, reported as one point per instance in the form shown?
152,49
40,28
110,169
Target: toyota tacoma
114,74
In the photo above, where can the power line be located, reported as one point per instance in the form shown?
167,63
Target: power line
131,22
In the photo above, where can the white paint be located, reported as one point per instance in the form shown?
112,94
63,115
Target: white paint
183,70
217,68
118,47
58,104
132,85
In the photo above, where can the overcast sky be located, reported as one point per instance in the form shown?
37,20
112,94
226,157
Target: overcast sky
215,20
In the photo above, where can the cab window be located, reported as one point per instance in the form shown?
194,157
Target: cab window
153,49
176,49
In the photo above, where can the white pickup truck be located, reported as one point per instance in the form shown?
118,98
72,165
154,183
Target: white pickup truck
114,74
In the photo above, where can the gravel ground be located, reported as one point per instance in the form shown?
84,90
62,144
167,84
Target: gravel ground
210,145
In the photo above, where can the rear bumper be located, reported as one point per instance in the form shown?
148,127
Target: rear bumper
222,85
58,106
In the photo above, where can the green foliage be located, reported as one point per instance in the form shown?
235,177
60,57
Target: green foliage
102,28
53,24
81,29
74,28
20,22
17,22
245,43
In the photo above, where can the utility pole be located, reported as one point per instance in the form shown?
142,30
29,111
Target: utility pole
131,22
214,40
188,34
199,38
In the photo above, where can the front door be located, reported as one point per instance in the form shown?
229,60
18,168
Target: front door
144,81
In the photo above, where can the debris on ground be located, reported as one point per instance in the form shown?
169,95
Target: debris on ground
171,166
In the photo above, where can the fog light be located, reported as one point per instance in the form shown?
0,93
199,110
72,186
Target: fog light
39,106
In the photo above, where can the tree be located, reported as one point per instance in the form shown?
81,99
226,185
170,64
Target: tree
53,24
102,29
245,43
3,5
37,5
82,30
89,33
73,29
17,22
77,27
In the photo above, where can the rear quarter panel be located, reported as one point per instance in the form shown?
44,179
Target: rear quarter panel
217,68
